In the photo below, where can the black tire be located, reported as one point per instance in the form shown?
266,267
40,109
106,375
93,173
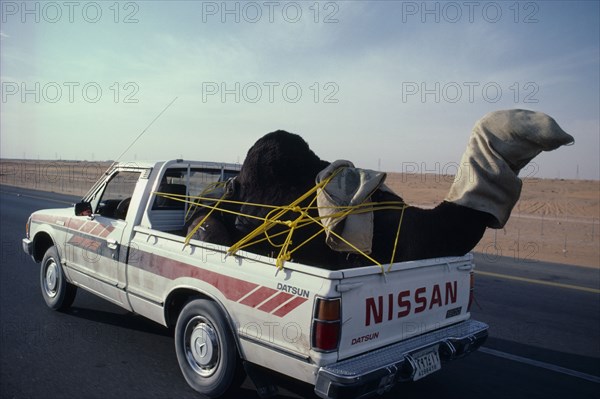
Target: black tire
58,293
206,349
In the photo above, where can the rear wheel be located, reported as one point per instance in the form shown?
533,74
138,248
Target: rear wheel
58,293
205,348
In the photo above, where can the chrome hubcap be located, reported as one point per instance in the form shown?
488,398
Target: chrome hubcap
201,346
51,278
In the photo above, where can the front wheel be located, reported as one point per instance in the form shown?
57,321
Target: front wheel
205,348
58,293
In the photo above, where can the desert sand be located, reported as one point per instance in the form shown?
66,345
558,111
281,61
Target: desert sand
555,220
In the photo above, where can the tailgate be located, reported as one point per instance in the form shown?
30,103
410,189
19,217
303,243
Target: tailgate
411,299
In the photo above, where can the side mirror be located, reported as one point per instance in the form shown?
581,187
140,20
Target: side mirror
83,209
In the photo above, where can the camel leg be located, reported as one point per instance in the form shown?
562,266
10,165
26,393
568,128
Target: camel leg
501,144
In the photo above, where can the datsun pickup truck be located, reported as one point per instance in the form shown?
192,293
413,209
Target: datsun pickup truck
349,333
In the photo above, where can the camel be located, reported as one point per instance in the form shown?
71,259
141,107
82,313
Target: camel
280,167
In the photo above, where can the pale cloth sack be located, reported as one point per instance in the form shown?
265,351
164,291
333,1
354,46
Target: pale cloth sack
501,144
349,186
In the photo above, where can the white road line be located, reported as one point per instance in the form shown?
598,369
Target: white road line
537,363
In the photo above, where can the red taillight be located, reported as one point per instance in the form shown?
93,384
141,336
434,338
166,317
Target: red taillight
326,335
326,324
471,291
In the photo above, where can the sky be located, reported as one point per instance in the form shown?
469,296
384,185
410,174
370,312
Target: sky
389,85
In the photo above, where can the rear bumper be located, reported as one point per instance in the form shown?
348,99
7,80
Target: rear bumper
379,370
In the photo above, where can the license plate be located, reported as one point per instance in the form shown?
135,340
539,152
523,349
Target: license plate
426,362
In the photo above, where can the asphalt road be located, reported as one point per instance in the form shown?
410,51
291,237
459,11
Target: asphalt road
544,334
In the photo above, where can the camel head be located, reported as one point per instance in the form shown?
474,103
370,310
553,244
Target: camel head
278,169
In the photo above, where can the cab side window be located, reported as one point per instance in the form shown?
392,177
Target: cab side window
114,202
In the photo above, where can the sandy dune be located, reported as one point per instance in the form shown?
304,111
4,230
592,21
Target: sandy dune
555,220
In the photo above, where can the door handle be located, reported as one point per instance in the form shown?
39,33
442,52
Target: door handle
111,243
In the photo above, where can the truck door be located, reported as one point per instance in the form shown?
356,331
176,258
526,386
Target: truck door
94,242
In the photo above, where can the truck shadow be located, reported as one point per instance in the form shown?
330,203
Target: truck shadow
119,318
482,374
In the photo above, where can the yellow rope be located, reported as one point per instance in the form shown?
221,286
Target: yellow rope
284,254
273,218
341,238
191,198
184,198
397,236
270,223
198,226
207,190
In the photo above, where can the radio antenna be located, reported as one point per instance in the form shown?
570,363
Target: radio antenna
93,188
144,131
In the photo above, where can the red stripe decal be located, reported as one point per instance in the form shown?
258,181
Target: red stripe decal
85,243
258,296
75,224
48,219
234,289
75,240
274,302
108,227
107,230
97,230
291,305
88,227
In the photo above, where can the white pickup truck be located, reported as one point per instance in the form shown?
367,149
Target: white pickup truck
350,333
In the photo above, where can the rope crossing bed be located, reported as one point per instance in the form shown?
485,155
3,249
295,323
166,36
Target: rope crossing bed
328,185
